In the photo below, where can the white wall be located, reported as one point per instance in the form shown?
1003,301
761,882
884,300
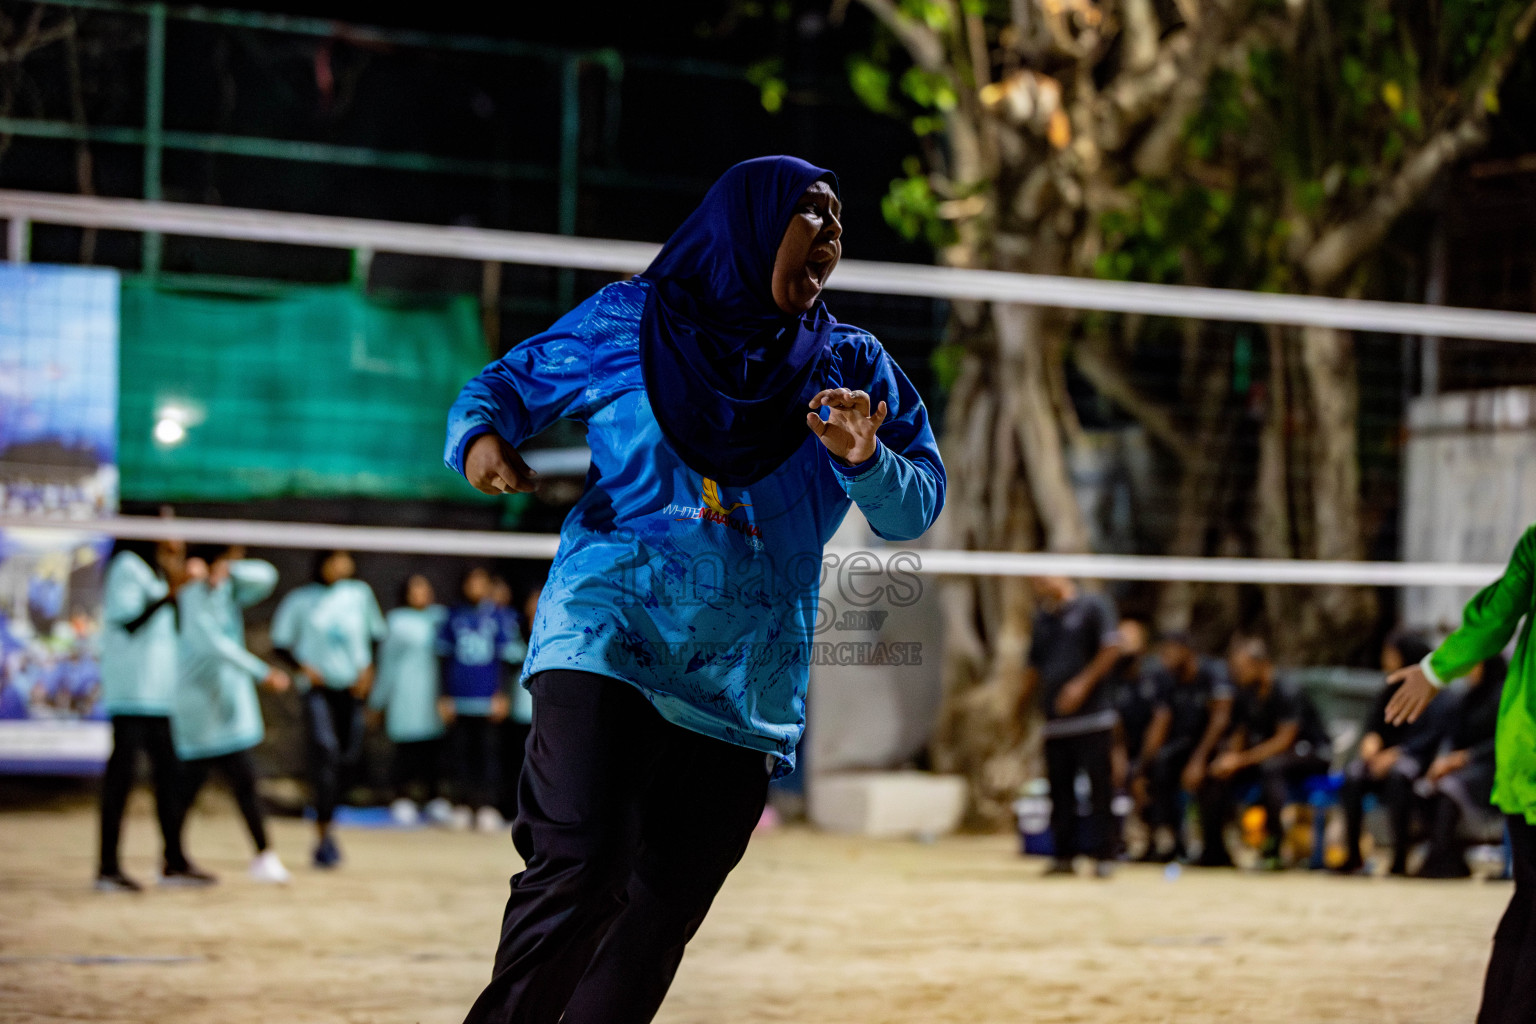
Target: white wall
874,716
1469,489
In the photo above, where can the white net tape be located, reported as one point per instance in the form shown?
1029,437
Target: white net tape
487,544
851,275
21,208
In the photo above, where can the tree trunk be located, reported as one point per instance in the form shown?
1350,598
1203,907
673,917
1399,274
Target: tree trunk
1206,392
1274,536
1335,616
1005,453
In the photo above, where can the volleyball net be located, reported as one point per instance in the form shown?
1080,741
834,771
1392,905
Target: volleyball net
365,239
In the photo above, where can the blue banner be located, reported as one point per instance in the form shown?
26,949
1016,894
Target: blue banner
58,459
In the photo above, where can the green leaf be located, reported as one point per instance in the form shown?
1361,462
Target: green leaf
927,124
946,362
773,92
1310,196
871,84
770,86
1392,148
930,12
1352,72
930,90
912,209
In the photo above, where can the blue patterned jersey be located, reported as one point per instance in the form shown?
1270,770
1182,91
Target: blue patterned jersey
703,597
475,642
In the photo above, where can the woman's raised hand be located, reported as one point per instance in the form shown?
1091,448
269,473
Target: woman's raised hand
849,432
494,467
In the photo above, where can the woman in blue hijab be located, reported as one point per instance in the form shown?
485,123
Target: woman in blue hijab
732,422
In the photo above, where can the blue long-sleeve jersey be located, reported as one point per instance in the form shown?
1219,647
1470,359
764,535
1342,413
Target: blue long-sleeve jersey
475,641
702,597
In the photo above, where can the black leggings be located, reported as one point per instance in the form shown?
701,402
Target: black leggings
130,735
628,826
417,762
335,725
240,773
475,745
1064,757
1509,992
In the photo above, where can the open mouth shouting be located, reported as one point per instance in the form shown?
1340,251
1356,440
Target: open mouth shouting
809,251
820,262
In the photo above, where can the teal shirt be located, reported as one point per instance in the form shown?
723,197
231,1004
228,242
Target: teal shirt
331,629
407,685
216,710
138,669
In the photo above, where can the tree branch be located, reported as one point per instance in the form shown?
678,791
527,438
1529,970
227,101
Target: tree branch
1341,246
1141,34
35,37
925,46
1132,98
1111,379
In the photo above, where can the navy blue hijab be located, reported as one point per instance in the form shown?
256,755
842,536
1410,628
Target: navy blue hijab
728,373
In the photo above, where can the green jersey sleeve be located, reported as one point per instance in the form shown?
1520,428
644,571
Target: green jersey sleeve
1489,620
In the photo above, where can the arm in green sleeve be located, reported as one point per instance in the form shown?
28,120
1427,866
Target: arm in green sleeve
1489,619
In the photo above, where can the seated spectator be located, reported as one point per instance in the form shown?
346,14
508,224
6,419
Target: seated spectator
1390,759
1459,782
1276,739
1131,694
1192,711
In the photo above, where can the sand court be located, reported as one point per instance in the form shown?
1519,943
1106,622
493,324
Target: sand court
811,928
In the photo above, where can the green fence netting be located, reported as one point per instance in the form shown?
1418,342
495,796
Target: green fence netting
302,391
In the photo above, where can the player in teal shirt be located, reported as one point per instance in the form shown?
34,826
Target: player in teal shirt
138,679
328,628
216,718
405,696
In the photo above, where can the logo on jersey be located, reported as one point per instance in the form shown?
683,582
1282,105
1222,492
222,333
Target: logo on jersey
714,509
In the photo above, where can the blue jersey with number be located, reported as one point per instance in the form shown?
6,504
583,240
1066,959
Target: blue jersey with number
701,596
475,642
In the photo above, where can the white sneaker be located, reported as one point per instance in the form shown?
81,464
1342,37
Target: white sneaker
461,819
403,812
439,811
489,819
267,868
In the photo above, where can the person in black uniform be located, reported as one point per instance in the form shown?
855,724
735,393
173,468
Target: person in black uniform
1460,780
1193,711
1132,693
1390,759
1074,646
1276,739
